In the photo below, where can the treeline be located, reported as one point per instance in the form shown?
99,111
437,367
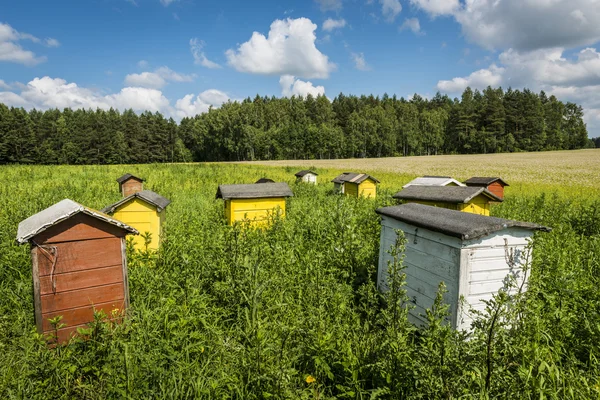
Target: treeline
267,128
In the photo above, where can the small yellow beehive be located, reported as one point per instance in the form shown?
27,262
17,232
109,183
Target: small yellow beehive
357,185
145,211
253,202
474,200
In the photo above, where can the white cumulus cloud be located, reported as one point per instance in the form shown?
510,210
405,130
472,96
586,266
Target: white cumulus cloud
523,25
12,51
331,24
290,86
359,61
390,9
191,105
44,93
196,47
157,79
477,80
288,49
413,25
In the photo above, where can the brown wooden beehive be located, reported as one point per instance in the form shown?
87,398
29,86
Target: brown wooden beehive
494,185
79,266
130,184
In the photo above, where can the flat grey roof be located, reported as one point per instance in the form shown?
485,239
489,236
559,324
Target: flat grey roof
148,196
254,191
353,177
444,194
453,223
484,180
433,181
64,209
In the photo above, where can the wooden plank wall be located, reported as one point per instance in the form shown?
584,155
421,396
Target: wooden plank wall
430,259
88,274
257,210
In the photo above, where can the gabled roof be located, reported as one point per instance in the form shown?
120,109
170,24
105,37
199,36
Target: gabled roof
484,180
148,196
453,223
340,177
253,191
59,212
433,181
300,174
444,194
353,177
125,177
265,180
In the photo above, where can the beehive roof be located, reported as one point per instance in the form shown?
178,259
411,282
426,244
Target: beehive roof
59,212
300,174
433,181
125,177
484,180
253,191
353,177
265,180
444,194
454,223
148,196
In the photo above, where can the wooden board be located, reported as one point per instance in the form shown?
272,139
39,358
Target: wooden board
82,279
79,227
81,255
81,315
80,298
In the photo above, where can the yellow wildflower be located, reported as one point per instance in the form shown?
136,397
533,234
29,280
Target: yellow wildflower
310,379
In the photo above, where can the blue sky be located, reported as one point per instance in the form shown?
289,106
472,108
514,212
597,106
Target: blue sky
181,56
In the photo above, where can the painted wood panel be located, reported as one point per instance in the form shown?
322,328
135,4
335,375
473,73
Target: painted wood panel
427,263
130,187
256,210
145,218
81,279
78,227
75,316
81,255
497,189
82,297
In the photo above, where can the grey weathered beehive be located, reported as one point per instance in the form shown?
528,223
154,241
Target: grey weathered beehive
472,254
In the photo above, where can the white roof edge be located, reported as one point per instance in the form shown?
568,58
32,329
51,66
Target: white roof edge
59,212
439,182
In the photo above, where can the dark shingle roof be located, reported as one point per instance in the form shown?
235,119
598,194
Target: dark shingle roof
444,194
484,180
253,191
146,195
353,178
453,223
64,209
300,174
265,180
125,177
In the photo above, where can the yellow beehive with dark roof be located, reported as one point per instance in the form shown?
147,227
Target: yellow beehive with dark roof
474,200
357,185
253,202
145,211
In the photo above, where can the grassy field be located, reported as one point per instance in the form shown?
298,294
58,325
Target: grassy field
233,313
577,170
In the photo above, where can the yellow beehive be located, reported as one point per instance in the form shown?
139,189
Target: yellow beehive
357,185
145,211
253,202
474,200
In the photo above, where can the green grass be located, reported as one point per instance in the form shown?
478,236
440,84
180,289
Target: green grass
226,312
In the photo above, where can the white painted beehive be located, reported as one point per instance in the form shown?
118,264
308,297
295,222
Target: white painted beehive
472,254
306,176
